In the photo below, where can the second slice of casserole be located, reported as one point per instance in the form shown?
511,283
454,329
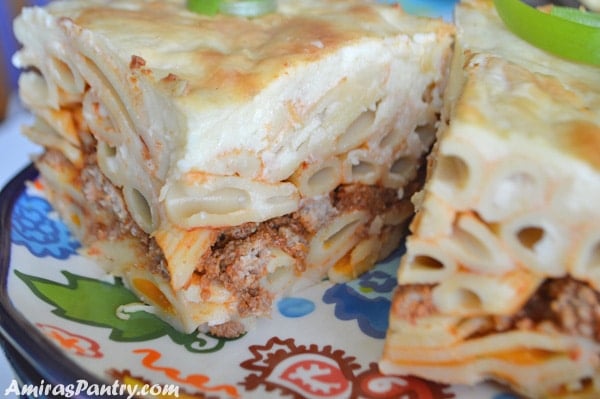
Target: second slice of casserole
501,277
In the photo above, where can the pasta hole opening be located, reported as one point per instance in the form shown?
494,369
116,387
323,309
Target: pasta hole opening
109,162
453,170
140,209
403,166
34,71
426,262
357,131
363,169
426,133
530,236
107,150
465,298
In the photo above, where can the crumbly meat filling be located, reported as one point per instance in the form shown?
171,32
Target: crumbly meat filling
412,302
562,305
239,257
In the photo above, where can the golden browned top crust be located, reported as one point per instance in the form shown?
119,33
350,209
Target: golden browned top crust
228,53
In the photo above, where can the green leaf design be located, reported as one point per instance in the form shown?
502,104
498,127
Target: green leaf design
95,302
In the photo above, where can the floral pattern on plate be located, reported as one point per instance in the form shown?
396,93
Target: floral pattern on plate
43,235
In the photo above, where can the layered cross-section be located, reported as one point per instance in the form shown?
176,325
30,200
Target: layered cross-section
214,162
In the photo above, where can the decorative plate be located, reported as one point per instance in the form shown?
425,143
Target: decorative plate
59,314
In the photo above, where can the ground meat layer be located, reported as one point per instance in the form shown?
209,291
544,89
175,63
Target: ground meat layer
567,305
239,257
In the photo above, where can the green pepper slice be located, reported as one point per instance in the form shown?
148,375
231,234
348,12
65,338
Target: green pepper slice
206,7
566,34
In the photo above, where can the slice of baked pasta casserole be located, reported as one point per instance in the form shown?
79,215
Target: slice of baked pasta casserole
215,162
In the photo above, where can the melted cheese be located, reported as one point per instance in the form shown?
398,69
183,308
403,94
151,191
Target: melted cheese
245,87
